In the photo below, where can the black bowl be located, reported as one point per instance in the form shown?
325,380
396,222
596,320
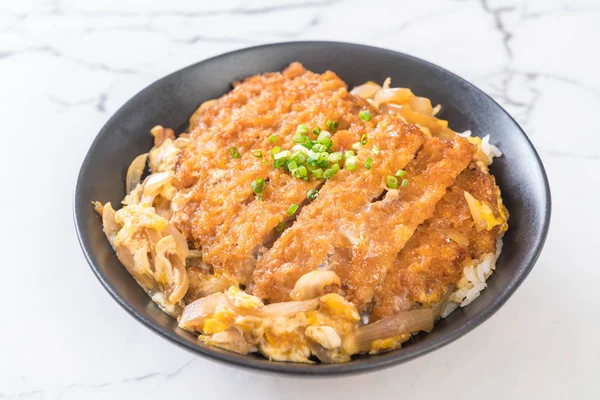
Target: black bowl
171,100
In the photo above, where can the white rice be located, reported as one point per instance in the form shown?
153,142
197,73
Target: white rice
473,281
489,149
474,276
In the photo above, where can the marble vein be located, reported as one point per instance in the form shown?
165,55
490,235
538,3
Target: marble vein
499,24
167,376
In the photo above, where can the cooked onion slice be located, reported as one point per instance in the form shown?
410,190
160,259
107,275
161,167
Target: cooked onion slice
422,105
456,236
135,172
284,309
396,96
482,214
310,285
436,126
153,184
366,91
161,134
170,270
398,324
109,225
194,313
182,246
288,309
395,325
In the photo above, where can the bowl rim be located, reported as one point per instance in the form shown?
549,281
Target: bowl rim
319,370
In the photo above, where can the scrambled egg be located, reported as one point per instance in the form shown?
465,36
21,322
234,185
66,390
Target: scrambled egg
318,328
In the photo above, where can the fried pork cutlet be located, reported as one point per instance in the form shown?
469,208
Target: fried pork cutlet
321,226
386,226
434,257
239,240
214,173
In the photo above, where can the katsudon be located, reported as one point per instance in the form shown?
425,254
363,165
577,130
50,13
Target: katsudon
309,222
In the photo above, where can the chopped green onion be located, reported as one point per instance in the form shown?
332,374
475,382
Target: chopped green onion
319,148
375,149
335,157
272,138
323,135
350,163
364,139
324,164
280,227
282,154
324,156
299,157
316,131
292,165
328,173
259,197
257,153
327,142
301,171
304,140
335,167
404,182
275,150
302,129
258,186
312,162
297,138
368,163
400,173
298,148
296,171
317,173
265,161
356,146
349,154
392,182
365,115
279,163
312,194
292,209
333,125
233,153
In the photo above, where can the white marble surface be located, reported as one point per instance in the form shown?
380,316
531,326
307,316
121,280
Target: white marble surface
67,65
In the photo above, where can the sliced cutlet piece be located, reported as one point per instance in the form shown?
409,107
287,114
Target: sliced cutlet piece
244,116
385,226
242,237
320,226
435,256
225,198
281,106
238,242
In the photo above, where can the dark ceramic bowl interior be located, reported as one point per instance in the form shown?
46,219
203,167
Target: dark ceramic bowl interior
171,100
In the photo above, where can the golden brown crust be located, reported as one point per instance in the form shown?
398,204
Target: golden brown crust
432,260
215,187
322,227
388,224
